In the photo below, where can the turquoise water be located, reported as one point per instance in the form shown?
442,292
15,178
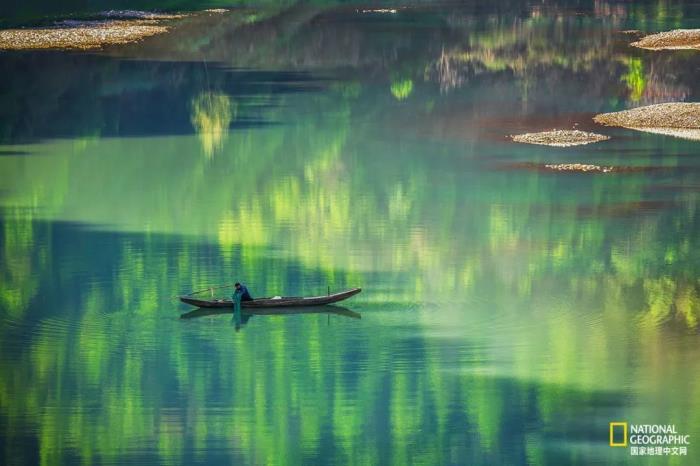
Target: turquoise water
508,313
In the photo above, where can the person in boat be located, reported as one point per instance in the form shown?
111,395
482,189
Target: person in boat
243,291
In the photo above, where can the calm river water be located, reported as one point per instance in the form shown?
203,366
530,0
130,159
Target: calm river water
508,314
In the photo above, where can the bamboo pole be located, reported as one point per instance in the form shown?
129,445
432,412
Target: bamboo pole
210,289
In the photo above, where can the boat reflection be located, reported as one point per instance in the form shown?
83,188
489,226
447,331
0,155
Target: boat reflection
246,313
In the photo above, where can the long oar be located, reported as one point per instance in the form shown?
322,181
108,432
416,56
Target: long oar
211,288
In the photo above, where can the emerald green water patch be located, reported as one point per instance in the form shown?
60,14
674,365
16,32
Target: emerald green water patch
508,313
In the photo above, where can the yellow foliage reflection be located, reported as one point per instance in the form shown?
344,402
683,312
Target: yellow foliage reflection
212,113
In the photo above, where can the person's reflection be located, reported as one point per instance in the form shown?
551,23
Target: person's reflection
240,319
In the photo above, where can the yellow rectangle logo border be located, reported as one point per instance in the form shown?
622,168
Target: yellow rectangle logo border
612,436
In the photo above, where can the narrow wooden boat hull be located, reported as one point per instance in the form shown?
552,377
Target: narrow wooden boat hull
274,302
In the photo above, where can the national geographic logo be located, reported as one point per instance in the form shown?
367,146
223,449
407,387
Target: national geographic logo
618,434
649,439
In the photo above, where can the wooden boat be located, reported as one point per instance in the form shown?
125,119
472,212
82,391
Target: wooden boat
283,311
278,301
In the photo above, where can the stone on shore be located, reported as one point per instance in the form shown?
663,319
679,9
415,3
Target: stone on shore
678,39
560,138
678,119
